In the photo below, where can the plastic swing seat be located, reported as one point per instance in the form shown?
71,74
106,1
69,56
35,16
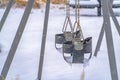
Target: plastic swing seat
63,37
77,54
66,35
87,45
59,38
78,57
67,47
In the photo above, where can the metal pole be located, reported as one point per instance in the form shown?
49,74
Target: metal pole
102,30
16,39
43,40
109,39
6,13
114,17
99,40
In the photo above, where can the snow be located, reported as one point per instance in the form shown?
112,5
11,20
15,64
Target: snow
26,60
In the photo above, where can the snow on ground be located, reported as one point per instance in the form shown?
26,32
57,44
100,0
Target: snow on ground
26,60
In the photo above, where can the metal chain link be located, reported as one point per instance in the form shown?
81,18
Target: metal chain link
77,18
67,8
67,19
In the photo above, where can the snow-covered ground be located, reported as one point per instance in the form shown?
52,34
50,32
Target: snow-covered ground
26,60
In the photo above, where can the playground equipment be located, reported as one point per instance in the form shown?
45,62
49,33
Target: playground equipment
107,11
106,28
6,13
94,4
73,42
88,4
66,35
16,39
8,8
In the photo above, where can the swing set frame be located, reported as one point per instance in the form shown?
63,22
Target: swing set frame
107,12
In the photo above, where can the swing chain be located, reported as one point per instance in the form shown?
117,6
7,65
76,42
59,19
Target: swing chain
77,19
67,19
67,8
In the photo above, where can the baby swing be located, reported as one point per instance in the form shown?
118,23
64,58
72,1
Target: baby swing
74,46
